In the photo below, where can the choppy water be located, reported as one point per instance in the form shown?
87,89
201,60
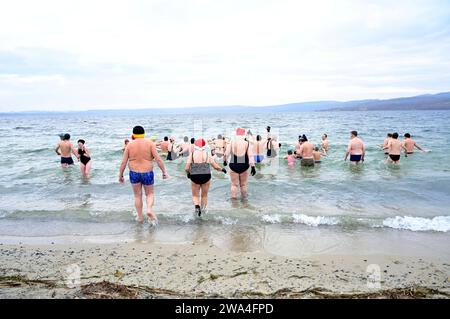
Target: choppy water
328,209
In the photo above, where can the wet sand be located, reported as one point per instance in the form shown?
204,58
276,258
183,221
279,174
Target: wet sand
155,270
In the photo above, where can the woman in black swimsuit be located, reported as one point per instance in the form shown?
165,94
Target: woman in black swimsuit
84,158
199,171
241,158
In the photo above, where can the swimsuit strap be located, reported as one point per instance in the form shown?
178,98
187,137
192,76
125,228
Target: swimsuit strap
233,152
246,150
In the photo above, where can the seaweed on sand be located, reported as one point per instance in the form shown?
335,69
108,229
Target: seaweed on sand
19,280
109,290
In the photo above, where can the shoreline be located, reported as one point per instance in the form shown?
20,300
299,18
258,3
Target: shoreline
154,270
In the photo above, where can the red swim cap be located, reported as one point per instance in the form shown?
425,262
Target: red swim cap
200,143
240,131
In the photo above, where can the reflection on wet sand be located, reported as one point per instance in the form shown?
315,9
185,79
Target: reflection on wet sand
240,238
230,237
295,240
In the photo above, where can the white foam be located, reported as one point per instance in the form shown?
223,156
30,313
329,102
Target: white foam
187,218
226,220
272,219
314,220
438,223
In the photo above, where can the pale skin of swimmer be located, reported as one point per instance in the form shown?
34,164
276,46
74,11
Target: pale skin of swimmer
139,154
64,148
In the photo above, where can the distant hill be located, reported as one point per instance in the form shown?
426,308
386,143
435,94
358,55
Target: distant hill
439,101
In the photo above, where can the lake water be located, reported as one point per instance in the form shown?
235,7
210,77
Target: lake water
329,209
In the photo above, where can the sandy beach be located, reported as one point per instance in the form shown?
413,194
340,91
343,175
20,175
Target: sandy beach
137,270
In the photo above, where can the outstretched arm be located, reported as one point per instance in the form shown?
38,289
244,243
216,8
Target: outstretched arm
404,148
158,160
227,154
300,151
251,158
123,165
251,161
74,152
57,149
418,147
348,152
216,166
187,168
88,152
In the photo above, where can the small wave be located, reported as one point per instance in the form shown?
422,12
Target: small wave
272,219
37,150
226,220
314,220
23,128
438,223
186,218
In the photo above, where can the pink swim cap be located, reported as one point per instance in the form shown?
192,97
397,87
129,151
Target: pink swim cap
240,131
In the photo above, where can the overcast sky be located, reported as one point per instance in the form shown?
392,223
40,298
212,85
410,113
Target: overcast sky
67,55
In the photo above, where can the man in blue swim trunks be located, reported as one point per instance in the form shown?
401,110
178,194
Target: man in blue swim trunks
355,149
139,154
65,149
259,147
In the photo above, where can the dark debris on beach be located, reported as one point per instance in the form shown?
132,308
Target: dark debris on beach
32,288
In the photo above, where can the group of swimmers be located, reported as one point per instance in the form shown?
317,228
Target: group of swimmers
393,147
241,154
263,148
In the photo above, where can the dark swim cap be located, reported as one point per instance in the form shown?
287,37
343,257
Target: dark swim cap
67,136
138,130
81,141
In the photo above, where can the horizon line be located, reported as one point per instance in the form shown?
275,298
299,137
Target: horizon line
216,106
